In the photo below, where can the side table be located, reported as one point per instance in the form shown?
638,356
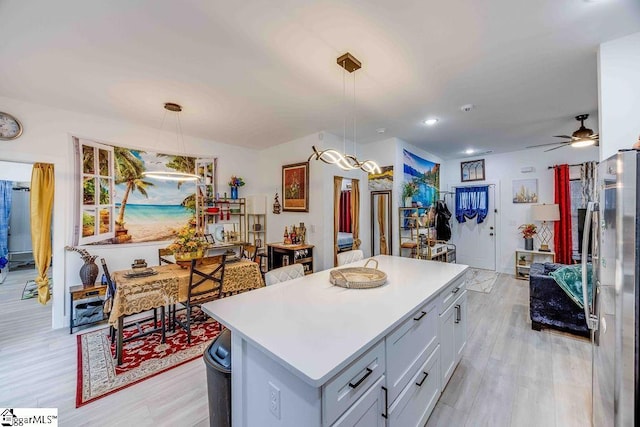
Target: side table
91,310
524,259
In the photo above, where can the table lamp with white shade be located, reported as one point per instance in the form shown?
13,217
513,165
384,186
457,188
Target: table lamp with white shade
545,213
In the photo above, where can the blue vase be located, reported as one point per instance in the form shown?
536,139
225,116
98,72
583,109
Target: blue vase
234,193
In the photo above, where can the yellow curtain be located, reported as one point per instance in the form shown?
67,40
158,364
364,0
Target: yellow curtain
382,211
41,210
355,213
337,189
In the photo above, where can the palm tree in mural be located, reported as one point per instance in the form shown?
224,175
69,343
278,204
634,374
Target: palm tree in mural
186,165
181,164
129,171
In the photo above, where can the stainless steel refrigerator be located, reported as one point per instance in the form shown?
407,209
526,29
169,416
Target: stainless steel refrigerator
612,312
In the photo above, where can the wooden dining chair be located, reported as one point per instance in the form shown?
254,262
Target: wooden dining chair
163,253
205,284
250,252
137,323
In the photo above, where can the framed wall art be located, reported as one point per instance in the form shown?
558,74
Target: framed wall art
525,190
295,187
472,170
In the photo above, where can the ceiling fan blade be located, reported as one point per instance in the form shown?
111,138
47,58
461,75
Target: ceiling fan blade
562,136
550,143
555,148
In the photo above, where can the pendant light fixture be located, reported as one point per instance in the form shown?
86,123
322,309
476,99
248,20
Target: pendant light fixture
169,175
343,160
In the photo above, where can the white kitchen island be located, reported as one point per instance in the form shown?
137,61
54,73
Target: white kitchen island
307,353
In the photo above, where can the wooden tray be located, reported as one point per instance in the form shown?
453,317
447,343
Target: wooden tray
358,277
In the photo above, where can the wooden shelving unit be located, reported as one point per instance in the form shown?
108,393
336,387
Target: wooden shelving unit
524,258
417,238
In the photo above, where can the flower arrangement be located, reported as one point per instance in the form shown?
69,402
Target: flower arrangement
187,241
528,230
86,256
409,189
236,181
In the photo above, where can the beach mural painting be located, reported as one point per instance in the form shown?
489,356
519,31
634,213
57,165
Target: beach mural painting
425,174
149,209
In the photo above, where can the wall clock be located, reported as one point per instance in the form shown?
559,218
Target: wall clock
10,127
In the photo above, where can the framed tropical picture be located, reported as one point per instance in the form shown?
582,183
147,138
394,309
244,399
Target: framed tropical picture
295,187
472,170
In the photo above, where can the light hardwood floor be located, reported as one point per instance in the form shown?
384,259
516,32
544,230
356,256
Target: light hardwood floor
510,375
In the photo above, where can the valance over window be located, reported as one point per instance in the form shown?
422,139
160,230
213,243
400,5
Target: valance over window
472,202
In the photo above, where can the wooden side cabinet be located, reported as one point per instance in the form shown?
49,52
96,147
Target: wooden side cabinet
280,255
524,259
86,305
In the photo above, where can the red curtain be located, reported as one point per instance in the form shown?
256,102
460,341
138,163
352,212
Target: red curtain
562,228
345,212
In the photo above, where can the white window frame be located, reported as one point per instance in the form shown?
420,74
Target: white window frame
97,206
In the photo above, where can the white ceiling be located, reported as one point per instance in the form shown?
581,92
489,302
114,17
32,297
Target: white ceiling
261,72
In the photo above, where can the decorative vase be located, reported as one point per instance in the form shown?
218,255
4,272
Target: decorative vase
528,243
183,259
408,201
234,193
88,273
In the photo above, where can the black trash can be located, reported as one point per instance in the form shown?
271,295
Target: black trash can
217,358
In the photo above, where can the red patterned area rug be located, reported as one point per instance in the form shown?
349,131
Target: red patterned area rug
99,376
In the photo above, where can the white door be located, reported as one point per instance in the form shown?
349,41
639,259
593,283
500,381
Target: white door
476,243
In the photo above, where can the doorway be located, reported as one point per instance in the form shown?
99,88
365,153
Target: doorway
346,219
18,273
15,228
476,243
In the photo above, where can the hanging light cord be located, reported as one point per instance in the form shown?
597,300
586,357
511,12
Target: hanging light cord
344,110
343,160
168,175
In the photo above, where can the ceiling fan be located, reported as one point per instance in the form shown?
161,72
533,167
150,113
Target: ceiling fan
583,137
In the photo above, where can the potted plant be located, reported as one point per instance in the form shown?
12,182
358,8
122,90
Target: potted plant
522,260
528,231
409,189
187,245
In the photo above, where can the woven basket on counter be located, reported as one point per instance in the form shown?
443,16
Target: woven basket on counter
358,277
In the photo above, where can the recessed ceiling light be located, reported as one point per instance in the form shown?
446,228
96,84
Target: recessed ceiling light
431,122
469,151
381,130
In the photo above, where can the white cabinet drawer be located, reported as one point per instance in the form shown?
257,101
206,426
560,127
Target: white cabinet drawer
419,397
409,345
368,411
451,292
345,388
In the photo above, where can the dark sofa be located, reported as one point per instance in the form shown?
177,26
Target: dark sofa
550,306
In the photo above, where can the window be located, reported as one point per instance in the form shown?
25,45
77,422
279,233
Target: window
95,196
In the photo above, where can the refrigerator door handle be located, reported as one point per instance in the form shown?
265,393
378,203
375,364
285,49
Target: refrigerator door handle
592,321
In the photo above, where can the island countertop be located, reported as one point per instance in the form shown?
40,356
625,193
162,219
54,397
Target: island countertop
314,329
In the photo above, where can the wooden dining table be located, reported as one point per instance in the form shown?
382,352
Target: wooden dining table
170,285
